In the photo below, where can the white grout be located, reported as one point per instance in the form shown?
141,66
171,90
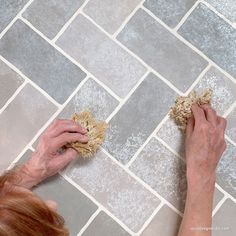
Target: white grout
225,193
219,204
230,140
231,108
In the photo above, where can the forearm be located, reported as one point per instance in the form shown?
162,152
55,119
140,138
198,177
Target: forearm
197,219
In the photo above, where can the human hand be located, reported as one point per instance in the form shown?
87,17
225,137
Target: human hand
46,160
204,144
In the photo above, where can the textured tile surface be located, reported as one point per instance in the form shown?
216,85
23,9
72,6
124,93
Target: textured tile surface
224,219
163,171
40,62
110,14
215,38
161,50
138,118
50,16
169,11
231,125
226,175
9,81
123,196
166,222
23,112
101,56
9,10
103,225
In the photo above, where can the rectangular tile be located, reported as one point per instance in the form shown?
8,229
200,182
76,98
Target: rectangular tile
224,219
226,175
169,11
162,50
115,189
20,121
163,171
50,16
138,118
101,56
8,11
215,38
165,223
104,225
38,60
9,81
231,125
110,14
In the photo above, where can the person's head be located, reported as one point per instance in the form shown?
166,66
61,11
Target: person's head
22,213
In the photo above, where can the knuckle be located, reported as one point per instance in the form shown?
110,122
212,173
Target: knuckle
204,127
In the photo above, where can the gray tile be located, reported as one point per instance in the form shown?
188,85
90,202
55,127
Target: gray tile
91,96
165,223
138,118
110,14
101,56
115,189
218,195
50,16
9,81
226,175
224,220
215,38
20,121
225,7
163,171
162,50
231,125
8,10
40,61
104,225
169,11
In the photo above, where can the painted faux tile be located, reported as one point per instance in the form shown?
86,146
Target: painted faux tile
115,189
138,118
8,11
162,50
20,121
110,14
9,82
231,125
50,16
224,219
215,37
166,223
169,11
39,61
101,56
226,175
163,171
104,225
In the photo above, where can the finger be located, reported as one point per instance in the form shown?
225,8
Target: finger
190,126
65,138
210,114
222,123
199,115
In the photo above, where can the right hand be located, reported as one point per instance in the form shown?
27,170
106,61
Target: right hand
204,144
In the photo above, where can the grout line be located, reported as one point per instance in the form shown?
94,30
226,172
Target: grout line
18,90
127,97
97,203
15,18
134,55
63,29
151,218
146,141
186,16
225,193
230,140
30,81
94,215
231,108
219,204
140,181
127,19
183,40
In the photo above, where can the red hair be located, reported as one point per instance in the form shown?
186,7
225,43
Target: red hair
23,214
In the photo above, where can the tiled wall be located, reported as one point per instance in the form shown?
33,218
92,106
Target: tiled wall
126,61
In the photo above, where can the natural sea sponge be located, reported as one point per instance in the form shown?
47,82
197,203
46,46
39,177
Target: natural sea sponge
95,131
181,112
